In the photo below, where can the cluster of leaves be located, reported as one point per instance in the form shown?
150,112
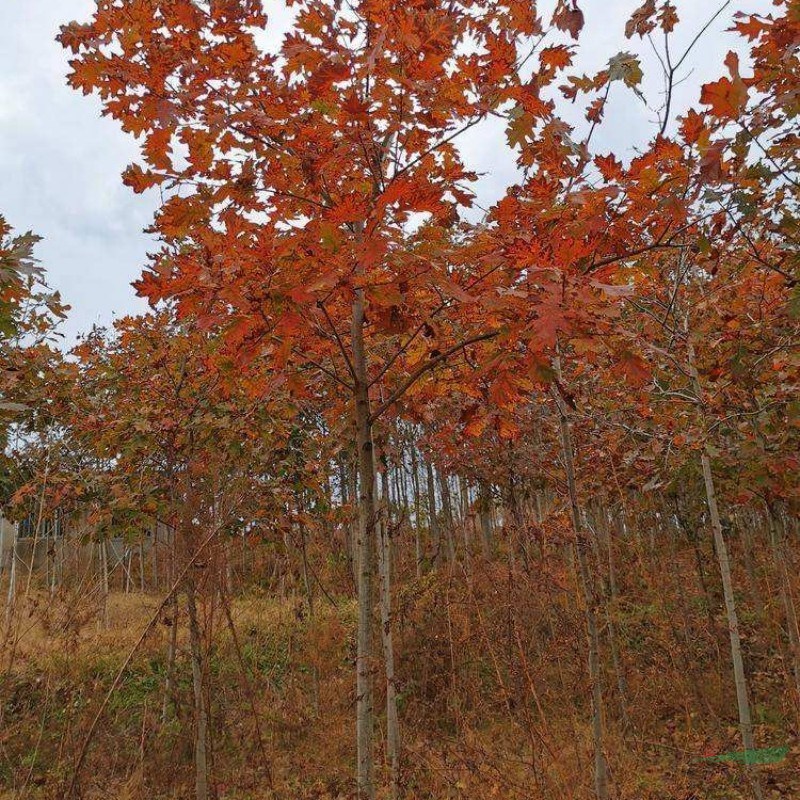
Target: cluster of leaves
148,426
292,181
29,314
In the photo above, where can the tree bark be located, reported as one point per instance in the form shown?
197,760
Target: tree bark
433,521
200,711
154,554
366,529
392,721
417,511
141,566
484,510
104,575
468,522
447,508
348,472
172,649
12,576
600,768
309,590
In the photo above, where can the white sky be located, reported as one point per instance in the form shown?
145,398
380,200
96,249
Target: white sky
60,162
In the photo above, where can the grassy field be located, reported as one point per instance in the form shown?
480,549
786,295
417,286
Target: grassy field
490,707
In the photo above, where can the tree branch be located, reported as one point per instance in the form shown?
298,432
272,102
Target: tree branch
427,367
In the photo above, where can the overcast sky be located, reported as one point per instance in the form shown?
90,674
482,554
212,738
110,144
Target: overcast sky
60,162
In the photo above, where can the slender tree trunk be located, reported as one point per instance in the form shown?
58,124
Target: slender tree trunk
403,483
344,491
198,683
447,508
156,585
600,768
484,504
433,520
48,561
392,721
400,507
740,678
104,570
355,498
127,562
309,587
12,576
739,675
348,478
141,566
285,566
172,649
366,530
417,511
468,521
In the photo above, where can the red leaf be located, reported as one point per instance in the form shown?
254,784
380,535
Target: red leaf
641,20
351,209
156,148
634,368
711,169
752,29
140,180
692,127
727,96
609,167
557,57
569,18
668,17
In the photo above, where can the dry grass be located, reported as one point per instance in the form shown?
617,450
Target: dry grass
465,735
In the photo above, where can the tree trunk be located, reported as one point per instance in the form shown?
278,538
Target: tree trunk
392,722
156,585
468,522
402,479
104,570
141,566
600,769
484,505
200,711
172,650
348,478
366,529
12,576
127,564
740,678
433,521
309,589
447,508
417,510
